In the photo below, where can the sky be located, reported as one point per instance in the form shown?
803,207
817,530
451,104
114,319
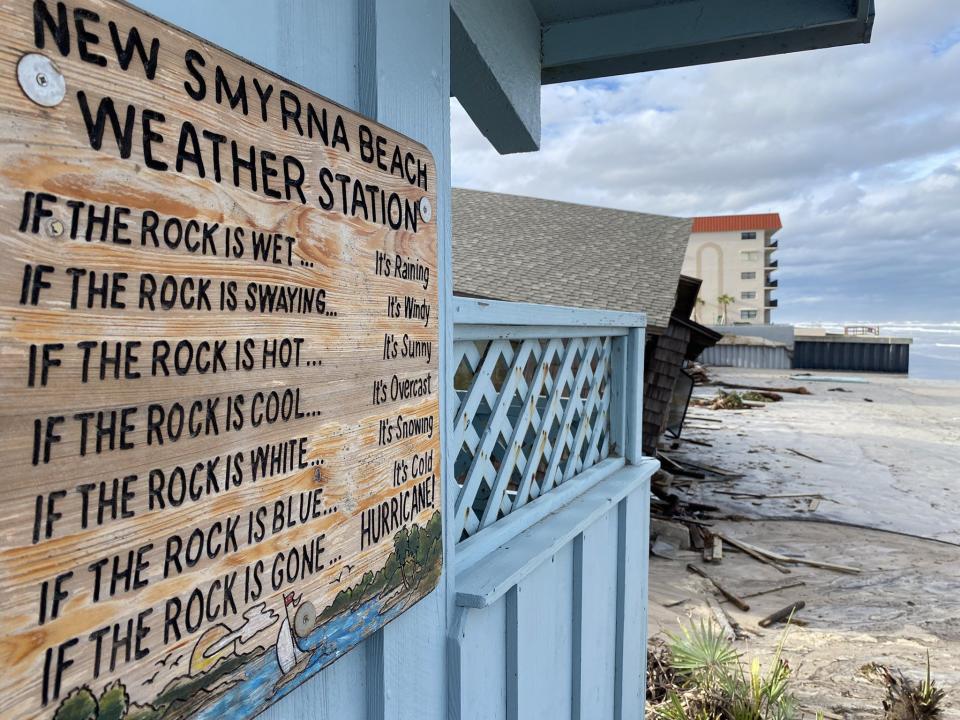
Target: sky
857,148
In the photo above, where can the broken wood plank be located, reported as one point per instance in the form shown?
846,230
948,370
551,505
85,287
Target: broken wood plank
777,557
723,591
782,614
762,496
777,588
710,468
808,457
748,550
695,442
723,621
799,390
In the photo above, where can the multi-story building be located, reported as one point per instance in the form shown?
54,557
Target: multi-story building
733,256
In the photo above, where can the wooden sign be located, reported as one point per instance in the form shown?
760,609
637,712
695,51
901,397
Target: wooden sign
219,366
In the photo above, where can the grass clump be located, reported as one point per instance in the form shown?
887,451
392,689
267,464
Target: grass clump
711,681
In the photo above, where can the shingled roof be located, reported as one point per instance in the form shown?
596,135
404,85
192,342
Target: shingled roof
522,249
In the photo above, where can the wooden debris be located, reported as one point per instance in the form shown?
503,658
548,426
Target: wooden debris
778,558
799,390
782,614
676,468
711,469
696,442
762,396
723,591
748,549
726,627
762,496
727,623
814,504
777,588
663,549
808,457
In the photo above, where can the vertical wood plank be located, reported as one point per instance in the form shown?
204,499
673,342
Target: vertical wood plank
633,534
618,394
480,663
634,397
544,641
406,85
312,42
513,654
596,582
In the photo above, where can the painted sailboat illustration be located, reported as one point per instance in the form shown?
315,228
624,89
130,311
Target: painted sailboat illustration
289,652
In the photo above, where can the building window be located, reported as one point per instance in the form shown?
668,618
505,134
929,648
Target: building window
751,295
748,314
748,236
748,276
750,255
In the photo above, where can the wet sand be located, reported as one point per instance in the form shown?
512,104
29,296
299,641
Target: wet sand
890,464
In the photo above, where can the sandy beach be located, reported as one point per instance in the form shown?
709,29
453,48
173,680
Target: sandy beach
874,487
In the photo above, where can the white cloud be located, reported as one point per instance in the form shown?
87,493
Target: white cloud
857,147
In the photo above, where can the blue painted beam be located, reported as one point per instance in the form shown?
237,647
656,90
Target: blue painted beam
698,32
495,70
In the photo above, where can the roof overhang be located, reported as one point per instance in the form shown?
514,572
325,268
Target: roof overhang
503,50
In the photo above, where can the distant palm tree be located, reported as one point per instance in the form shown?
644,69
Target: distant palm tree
724,301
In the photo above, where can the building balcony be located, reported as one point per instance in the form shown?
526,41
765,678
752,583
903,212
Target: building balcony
771,245
771,283
772,264
771,303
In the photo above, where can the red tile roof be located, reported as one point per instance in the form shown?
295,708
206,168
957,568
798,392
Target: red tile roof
734,223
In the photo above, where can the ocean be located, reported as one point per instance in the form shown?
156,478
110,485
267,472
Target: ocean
935,352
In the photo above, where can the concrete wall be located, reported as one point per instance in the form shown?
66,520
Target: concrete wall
720,259
778,333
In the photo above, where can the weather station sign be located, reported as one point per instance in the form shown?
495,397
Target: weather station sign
219,420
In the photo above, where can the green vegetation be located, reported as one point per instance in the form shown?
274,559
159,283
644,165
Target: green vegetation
706,679
416,557
80,704
113,704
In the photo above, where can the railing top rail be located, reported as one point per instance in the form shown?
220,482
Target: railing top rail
473,311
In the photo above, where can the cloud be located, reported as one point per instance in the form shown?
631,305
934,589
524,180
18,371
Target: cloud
857,147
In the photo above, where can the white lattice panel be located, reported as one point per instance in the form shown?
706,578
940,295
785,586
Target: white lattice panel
532,414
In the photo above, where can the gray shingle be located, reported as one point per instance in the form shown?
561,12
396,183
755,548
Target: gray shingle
522,249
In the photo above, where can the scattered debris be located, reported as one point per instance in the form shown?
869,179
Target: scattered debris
775,588
731,628
839,389
762,396
661,677
778,558
906,699
709,468
808,457
673,533
698,373
799,390
783,614
752,552
695,442
779,496
723,591
663,550
867,400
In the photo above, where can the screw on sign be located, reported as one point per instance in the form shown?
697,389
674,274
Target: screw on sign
205,265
